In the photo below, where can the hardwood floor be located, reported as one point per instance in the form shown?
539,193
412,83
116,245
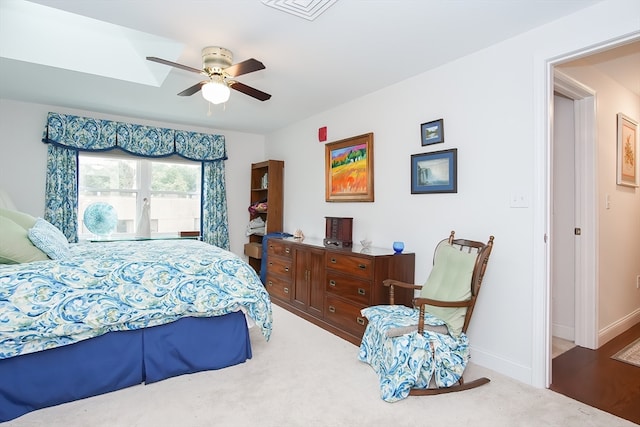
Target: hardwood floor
594,378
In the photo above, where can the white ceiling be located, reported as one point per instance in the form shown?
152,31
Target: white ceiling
353,48
621,64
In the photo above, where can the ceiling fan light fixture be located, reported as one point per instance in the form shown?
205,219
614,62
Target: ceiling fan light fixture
216,92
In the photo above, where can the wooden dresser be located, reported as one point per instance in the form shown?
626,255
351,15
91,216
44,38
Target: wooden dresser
329,286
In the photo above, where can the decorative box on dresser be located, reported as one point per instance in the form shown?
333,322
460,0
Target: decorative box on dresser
329,286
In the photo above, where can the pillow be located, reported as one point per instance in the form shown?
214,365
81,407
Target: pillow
24,220
450,280
49,239
15,246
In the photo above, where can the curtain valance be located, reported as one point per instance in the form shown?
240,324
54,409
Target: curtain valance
89,134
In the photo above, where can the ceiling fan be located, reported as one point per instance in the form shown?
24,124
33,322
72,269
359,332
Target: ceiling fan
217,66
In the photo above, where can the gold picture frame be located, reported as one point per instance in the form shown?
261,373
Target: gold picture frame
628,167
349,169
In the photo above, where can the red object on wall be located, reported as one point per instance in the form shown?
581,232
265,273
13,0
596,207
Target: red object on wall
322,134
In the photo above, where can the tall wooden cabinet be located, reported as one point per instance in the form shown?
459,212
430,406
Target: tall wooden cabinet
267,184
329,286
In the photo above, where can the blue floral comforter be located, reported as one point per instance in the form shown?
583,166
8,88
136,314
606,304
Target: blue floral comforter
116,286
410,360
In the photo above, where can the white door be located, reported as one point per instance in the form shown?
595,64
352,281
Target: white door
563,220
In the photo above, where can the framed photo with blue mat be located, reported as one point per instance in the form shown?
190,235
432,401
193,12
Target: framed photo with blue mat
432,132
435,172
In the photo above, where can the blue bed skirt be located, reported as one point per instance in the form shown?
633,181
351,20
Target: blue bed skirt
120,359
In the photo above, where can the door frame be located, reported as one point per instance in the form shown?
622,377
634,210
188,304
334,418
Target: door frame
541,333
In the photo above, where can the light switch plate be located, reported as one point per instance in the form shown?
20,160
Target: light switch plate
518,200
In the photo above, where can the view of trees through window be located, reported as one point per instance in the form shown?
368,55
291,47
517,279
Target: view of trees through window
172,187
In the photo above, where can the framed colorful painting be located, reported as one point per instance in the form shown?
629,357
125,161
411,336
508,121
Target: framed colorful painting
349,169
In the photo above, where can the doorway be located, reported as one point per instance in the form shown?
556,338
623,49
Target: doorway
582,101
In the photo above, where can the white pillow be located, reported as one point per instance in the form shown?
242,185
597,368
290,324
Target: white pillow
49,239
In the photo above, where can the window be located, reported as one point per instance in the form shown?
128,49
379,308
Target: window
171,185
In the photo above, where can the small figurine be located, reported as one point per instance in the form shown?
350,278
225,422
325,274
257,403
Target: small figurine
298,234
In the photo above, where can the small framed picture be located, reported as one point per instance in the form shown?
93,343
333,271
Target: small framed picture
628,167
435,172
432,132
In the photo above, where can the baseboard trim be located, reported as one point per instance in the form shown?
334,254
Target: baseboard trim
501,365
616,328
562,331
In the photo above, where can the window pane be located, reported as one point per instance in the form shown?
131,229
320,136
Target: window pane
111,180
175,197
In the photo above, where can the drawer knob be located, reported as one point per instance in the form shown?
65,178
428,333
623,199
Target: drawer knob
286,290
360,320
362,266
333,260
332,282
287,250
270,283
332,309
286,269
361,291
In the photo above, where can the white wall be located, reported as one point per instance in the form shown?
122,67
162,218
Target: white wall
494,105
619,225
23,160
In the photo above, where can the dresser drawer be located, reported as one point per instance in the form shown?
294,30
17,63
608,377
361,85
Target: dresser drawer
280,266
344,315
351,265
356,290
278,287
278,247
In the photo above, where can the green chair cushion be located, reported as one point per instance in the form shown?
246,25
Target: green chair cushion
450,280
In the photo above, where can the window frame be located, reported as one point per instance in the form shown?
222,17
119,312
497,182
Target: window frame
143,190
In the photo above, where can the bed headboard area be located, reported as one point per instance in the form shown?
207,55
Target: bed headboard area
6,202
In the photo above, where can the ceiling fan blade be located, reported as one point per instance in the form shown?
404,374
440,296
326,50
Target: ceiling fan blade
248,90
174,64
244,67
193,89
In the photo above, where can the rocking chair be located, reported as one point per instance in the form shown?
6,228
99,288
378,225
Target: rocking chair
424,350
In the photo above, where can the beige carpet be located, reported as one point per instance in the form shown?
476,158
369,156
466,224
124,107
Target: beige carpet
630,354
306,376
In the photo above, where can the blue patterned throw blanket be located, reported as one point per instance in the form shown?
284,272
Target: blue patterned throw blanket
118,286
410,360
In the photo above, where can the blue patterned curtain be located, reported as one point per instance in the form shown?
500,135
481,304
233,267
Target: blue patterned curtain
215,225
61,190
144,140
69,134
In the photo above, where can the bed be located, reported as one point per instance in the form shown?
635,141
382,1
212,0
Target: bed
110,315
